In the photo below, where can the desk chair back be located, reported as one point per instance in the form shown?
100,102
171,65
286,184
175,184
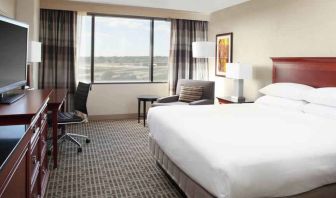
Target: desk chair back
81,96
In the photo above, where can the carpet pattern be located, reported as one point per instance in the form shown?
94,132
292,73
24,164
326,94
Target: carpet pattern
117,163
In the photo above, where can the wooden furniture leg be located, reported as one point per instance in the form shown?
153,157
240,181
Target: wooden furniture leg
54,134
139,104
144,112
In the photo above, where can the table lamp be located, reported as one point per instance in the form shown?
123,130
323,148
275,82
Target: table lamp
238,72
34,56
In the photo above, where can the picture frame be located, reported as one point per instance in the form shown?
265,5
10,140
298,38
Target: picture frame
224,49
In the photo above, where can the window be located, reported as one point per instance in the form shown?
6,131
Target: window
161,50
123,50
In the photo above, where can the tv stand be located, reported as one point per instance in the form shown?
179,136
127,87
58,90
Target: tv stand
10,98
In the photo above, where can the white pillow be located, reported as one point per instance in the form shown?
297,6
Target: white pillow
283,103
324,96
320,110
286,90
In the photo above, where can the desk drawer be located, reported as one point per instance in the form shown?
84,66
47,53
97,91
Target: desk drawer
44,174
43,142
44,117
34,162
35,190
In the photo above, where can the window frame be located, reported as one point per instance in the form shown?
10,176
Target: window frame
151,50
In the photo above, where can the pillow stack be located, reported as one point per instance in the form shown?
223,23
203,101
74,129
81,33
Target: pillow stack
292,91
293,96
322,102
284,95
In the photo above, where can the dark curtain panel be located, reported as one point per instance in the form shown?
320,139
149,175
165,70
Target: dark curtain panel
181,63
57,34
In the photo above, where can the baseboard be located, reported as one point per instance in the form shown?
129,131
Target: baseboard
113,117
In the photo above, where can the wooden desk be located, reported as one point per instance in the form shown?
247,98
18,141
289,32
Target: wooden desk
56,104
24,163
23,111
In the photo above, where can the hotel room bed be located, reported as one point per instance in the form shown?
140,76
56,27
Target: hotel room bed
247,150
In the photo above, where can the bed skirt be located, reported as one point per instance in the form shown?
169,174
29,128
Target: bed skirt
193,190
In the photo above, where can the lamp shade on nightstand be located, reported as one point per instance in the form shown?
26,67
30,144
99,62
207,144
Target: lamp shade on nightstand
238,71
203,49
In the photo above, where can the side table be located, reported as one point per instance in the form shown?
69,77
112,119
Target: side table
144,99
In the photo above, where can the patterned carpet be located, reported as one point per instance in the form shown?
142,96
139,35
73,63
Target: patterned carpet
117,163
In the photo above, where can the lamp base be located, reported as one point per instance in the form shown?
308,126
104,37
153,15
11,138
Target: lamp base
238,91
237,99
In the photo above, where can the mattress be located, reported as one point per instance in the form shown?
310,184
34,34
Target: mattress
247,150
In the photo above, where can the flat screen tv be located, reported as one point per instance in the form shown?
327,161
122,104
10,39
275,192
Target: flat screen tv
13,54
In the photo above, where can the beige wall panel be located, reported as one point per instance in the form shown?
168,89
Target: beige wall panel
273,28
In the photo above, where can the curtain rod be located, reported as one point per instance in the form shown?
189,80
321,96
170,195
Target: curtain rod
127,16
137,17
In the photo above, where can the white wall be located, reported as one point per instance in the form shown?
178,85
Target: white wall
28,11
121,10
274,28
7,8
121,99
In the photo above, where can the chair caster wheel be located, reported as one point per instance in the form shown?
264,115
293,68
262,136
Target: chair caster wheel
87,141
49,152
79,150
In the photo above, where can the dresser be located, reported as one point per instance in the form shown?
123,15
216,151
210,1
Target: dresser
23,146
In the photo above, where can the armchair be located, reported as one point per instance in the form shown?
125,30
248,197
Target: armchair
207,97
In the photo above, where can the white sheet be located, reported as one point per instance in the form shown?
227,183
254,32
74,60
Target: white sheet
247,150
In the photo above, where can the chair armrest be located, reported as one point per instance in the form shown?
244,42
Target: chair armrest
202,102
168,99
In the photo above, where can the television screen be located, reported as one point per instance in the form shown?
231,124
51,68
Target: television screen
13,54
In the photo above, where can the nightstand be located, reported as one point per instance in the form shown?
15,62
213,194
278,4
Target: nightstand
229,100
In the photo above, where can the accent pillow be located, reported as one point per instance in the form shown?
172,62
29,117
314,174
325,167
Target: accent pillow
320,110
190,93
281,102
286,90
323,96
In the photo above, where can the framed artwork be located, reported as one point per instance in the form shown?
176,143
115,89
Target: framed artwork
223,52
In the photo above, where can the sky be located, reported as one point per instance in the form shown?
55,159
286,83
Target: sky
124,37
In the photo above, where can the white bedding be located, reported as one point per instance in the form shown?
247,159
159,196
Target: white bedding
247,150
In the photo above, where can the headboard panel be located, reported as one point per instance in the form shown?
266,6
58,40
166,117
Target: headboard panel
313,71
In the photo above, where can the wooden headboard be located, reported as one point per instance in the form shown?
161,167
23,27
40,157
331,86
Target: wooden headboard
313,71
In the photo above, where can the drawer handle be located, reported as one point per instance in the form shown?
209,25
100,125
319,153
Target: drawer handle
34,159
36,129
45,115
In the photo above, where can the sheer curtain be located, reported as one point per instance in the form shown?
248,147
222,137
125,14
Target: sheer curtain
83,48
181,63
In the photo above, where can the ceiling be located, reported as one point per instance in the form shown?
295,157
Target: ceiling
203,6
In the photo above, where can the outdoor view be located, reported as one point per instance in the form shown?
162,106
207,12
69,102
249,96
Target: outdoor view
122,50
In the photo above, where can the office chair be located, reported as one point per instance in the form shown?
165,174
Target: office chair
67,118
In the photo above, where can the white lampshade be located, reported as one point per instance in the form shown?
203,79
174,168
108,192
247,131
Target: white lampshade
238,71
34,52
203,49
